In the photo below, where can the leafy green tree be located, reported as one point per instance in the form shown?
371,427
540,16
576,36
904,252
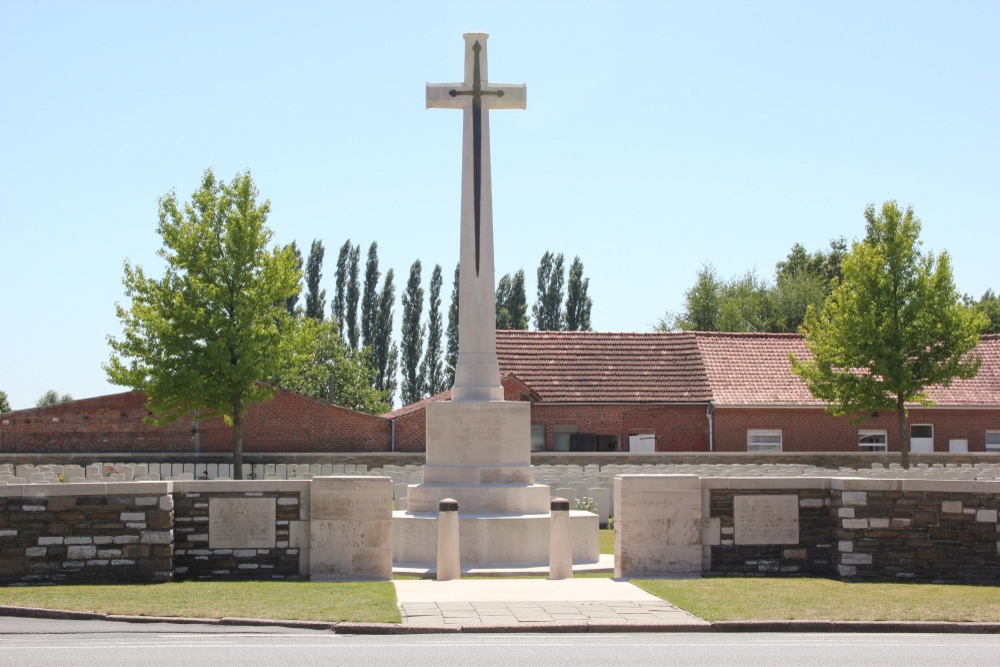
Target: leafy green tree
578,302
51,397
746,305
370,298
385,353
791,296
4,404
315,297
433,370
318,363
989,306
822,265
340,277
703,302
204,336
547,310
451,354
891,328
412,338
353,292
292,302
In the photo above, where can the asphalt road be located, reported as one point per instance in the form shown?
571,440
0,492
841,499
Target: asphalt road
66,643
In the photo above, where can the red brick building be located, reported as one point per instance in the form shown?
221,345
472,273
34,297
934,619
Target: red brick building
663,392
700,392
290,422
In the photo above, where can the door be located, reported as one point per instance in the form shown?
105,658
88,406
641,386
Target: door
642,444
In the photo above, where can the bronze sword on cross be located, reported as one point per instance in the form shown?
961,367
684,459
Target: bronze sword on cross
477,93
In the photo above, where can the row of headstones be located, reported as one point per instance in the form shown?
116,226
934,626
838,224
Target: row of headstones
139,472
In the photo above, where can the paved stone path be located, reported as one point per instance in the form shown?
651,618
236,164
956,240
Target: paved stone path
529,601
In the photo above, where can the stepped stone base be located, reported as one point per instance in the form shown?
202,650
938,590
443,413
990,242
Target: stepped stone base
492,539
481,498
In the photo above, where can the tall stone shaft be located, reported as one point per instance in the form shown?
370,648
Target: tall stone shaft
477,371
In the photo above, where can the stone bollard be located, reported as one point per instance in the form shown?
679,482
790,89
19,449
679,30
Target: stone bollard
449,557
560,541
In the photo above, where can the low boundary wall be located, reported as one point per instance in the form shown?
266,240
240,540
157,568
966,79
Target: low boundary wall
854,529
150,532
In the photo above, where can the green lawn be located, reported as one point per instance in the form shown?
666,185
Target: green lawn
738,599
607,538
372,602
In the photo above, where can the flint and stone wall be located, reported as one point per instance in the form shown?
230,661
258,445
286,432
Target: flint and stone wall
271,541
150,532
852,529
86,533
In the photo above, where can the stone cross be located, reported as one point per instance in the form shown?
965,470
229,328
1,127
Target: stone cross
477,372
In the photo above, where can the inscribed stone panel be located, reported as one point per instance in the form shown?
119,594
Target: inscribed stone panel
241,523
766,519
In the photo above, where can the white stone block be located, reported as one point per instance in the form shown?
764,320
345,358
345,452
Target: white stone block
854,524
852,558
845,546
845,512
951,506
878,523
855,498
986,516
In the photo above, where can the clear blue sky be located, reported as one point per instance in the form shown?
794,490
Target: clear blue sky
658,136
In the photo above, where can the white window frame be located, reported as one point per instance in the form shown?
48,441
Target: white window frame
873,446
994,446
762,440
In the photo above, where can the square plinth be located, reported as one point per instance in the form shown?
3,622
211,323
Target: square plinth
495,433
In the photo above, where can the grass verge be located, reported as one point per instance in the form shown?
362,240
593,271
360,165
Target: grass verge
607,538
733,599
369,602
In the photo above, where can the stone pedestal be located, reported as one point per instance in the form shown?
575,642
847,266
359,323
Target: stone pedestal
479,453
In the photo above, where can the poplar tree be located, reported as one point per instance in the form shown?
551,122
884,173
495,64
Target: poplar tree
370,298
512,302
451,355
547,310
4,404
208,334
292,302
433,370
385,353
353,292
315,297
340,277
893,326
412,338
578,302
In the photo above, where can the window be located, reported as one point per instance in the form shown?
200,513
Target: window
921,438
763,440
993,441
872,441
538,437
561,436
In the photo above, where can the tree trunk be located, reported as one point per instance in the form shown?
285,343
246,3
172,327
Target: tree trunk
904,433
237,439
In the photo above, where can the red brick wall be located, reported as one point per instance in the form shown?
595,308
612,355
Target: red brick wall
814,430
677,427
411,432
288,423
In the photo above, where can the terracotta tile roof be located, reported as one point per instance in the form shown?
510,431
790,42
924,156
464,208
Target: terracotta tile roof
734,369
754,369
592,367
984,389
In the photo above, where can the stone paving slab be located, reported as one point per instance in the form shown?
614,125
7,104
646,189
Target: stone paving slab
520,602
